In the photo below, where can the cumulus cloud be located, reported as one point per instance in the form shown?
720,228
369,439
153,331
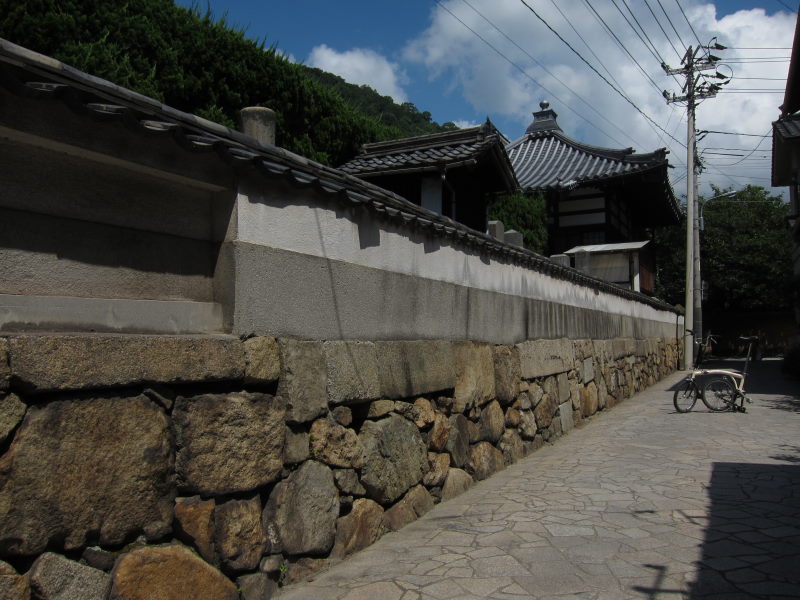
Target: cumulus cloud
363,67
589,109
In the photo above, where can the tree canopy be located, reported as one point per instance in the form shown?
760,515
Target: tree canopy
525,213
745,253
186,59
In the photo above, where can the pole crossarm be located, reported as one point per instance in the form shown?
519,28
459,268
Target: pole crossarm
696,88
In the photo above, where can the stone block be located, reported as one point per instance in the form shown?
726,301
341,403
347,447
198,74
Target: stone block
414,368
342,415
194,521
304,380
439,434
587,370
528,425
96,557
562,382
359,529
545,410
589,400
353,374
297,448
492,422
348,483
425,413
439,464
13,586
335,445
303,569
300,514
47,363
380,408
5,366
256,586
170,572
511,446
238,534
540,358
413,505
484,461
457,445
622,347
262,360
565,414
53,577
228,442
12,410
395,458
506,373
458,481
105,463
474,366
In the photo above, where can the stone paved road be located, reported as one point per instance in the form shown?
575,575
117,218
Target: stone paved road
641,503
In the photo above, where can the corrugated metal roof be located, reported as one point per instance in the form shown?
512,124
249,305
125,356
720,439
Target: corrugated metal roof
551,160
599,248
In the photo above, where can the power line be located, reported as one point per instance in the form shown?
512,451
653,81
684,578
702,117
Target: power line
655,18
757,48
524,72
585,43
628,100
621,45
731,133
546,70
697,37
680,39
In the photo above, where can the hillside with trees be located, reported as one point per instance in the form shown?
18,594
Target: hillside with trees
188,60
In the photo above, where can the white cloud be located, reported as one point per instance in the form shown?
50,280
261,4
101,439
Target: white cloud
363,67
588,108
462,124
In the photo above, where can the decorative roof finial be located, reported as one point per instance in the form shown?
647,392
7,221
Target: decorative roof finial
544,104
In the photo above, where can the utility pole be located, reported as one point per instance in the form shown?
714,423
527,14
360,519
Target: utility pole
695,61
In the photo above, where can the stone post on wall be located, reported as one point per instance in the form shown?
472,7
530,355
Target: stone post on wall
259,122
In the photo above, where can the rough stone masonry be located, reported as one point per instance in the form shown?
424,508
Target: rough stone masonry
138,466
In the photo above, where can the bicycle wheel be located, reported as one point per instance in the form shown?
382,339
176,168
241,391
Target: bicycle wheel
719,394
685,396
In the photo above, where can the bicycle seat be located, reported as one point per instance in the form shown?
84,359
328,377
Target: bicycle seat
749,339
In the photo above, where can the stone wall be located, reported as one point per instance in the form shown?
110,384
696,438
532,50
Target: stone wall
178,467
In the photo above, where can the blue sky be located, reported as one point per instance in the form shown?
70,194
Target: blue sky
418,51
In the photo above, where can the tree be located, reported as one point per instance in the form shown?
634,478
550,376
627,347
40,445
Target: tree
745,253
525,213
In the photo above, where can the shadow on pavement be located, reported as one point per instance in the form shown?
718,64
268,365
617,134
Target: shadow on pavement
752,541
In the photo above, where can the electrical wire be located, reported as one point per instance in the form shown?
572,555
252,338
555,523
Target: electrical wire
524,72
655,18
554,76
585,43
621,45
689,23
664,10
628,100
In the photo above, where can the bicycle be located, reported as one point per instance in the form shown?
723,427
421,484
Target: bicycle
719,394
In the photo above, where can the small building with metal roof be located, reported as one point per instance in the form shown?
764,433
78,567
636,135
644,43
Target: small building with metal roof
594,195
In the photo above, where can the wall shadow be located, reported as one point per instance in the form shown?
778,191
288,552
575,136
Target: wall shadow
751,547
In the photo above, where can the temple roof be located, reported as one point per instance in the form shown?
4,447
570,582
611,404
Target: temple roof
435,152
546,158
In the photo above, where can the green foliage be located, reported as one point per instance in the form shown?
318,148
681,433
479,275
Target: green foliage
405,117
187,60
527,214
745,253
